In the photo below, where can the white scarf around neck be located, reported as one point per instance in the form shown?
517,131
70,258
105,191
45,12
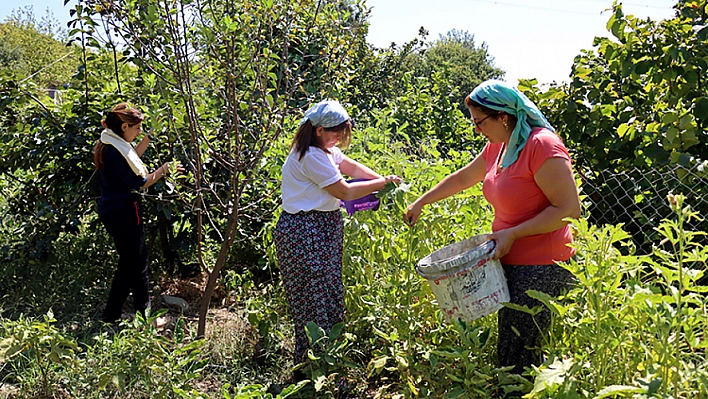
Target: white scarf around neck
126,150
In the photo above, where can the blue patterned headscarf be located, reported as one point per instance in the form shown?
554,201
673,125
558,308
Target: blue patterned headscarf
501,96
326,114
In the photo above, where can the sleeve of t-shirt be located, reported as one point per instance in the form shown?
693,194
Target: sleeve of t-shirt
485,151
546,144
113,159
337,155
318,168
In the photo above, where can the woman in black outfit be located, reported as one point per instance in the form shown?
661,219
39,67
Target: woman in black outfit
122,175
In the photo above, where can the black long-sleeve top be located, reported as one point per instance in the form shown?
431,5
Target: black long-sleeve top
119,184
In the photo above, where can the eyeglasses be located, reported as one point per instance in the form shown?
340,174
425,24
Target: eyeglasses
479,122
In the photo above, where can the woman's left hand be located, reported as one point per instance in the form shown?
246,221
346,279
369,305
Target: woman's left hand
180,169
504,240
392,178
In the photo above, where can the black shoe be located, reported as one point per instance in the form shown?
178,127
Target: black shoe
110,319
299,375
274,389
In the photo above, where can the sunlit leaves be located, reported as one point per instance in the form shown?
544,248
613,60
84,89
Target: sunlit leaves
655,68
550,378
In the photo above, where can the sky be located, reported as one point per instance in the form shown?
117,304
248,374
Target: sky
527,38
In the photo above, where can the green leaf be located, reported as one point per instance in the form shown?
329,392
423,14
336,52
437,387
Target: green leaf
380,362
293,389
654,386
104,381
458,392
611,23
669,118
553,375
672,134
402,361
701,108
622,129
314,332
627,68
179,330
546,300
691,77
335,331
119,381
698,288
523,308
686,122
9,347
613,390
642,67
320,382
703,32
393,189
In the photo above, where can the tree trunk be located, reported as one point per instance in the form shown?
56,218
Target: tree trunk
214,274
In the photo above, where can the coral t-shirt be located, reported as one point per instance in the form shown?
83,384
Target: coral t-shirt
516,198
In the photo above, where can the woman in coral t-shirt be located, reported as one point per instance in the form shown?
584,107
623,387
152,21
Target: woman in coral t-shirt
528,179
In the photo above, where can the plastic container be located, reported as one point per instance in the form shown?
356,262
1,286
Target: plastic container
365,203
466,281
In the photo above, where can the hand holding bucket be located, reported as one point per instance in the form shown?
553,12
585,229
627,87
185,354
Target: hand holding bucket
466,280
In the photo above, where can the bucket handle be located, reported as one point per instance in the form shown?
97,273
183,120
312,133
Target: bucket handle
489,247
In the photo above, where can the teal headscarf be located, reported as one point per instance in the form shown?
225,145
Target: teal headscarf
501,96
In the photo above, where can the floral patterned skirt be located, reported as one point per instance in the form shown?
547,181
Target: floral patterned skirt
309,251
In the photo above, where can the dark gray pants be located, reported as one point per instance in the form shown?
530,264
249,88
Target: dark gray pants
520,334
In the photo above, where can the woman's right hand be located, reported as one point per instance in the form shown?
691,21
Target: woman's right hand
412,213
180,169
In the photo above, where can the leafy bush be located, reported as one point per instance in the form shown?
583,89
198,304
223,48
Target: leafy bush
39,346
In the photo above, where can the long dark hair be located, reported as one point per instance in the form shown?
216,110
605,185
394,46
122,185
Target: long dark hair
120,114
306,137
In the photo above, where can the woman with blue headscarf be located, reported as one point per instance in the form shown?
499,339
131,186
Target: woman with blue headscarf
309,233
526,175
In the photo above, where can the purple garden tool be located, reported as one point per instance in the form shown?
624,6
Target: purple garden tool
365,203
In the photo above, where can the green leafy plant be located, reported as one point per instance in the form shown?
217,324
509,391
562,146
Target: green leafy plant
634,324
139,358
328,359
256,391
41,344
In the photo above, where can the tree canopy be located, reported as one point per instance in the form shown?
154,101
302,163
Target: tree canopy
466,64
36,49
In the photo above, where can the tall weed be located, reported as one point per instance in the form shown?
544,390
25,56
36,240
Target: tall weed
635,325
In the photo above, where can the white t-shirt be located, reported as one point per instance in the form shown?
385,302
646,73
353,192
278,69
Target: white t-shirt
304,180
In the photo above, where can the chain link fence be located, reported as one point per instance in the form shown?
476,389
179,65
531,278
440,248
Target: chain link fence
637,198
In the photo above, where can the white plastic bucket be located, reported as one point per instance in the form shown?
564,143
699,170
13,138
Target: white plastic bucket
467,282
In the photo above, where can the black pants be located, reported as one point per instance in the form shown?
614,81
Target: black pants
520,334
128,232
